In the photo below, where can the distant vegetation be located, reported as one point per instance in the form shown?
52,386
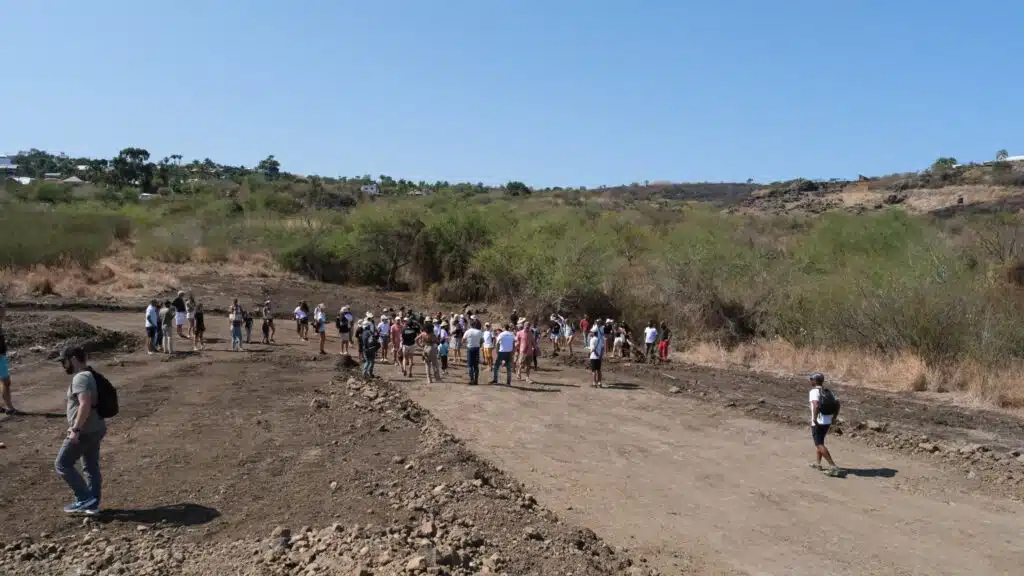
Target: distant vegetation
949,291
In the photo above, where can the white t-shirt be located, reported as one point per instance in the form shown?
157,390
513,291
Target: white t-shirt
815,396
596,347
506,342
650,334
152,316
299,314
472,338
488,339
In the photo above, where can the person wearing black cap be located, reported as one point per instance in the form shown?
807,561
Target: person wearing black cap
86,431
824,409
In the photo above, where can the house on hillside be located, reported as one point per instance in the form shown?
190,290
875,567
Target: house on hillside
7,167
74,181
370,189
52,176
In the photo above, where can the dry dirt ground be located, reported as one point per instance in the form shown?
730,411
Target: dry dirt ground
220,461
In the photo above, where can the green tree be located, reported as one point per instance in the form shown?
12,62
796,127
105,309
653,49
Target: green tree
132,168
270,167
516,188
944,163
1002,155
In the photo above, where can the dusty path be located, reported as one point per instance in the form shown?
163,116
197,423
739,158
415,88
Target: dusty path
693,486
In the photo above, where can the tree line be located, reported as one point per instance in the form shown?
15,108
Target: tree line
134,167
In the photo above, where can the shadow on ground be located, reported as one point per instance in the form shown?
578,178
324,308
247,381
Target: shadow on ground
173,514
870,472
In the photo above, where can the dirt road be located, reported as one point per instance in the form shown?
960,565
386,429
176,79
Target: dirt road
230,444
689,485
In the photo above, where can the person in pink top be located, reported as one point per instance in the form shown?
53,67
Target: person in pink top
524,345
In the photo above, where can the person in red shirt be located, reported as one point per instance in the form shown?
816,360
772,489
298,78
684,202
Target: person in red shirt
585,330
524,345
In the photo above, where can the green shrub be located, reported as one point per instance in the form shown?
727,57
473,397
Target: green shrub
54,238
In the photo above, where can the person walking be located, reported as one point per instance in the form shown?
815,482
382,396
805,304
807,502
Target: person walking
320,322
198,343
168,315
268,322
824,409
152,327
247,322
5,369
488,345
665,341
384,332
190,315
429,342
410,332
506,347
395,340
235,322
370,340
179,313
86,430
596,347
650,340
473,338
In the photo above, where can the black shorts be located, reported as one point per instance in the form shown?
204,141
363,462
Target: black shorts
818,432
595,364
151,332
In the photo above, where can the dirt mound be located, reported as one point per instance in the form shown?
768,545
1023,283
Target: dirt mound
47,334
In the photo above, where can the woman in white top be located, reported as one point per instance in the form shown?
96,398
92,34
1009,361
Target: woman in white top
488,348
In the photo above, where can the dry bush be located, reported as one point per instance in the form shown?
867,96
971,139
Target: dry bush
40,284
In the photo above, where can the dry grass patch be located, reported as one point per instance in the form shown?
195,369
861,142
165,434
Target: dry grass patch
975,384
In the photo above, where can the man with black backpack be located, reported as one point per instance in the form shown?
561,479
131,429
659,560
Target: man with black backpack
91,399
369,343
824,409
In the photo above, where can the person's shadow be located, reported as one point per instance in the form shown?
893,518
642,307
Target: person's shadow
172,515
870,472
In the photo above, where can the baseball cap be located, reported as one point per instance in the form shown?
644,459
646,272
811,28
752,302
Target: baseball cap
817,377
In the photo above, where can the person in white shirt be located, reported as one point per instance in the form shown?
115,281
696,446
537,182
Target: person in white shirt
152,327
384,330
488,347
473,338
820,422
506,347
650,338
596,355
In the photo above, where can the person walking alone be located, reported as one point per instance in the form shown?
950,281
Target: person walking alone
86,431
824,409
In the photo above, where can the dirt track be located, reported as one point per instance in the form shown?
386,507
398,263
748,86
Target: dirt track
691,486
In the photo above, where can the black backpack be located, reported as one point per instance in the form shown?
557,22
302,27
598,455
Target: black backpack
827,403
106,396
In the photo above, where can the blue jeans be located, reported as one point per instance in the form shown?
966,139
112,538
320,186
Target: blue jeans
88,449
236,335
369,358
505,357
473,363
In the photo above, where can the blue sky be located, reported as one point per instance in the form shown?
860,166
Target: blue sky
559,92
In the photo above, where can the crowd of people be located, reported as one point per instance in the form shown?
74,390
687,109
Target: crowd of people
395,336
